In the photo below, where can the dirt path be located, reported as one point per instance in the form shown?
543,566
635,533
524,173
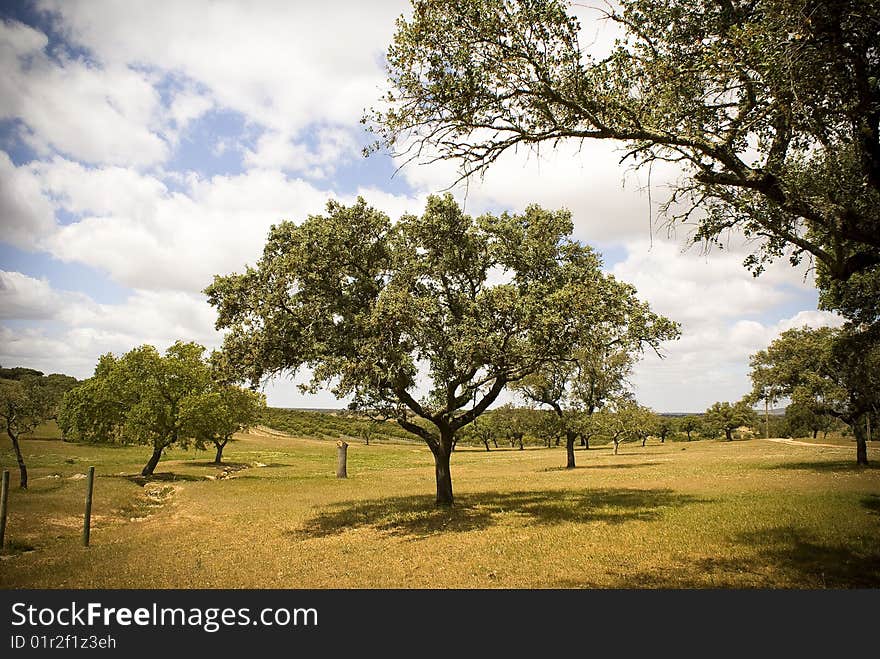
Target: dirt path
794,442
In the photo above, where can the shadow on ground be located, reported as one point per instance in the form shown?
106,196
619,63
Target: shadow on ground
406,516
621,465
782,557
826,465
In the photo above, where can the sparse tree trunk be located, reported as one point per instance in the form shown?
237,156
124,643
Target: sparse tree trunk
569,449
495,441
519,439
861,444
341,459
815,433
644,441
220,446
154,460
729,433
688,434
442,473
662,439
583,442
549,441
22,469
557,440
616,445
486,442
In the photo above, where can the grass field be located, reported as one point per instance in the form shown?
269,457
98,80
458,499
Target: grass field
707,514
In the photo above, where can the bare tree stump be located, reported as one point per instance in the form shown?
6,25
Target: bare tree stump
341,458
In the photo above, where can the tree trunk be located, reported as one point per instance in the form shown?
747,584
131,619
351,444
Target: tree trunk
569,449
486,442
861,444
557,440
495,441
154,460
341,459
22,470
662,439
616,445
729,434
644,441
688,434
520,443
220,446
444,476
815,433
585,442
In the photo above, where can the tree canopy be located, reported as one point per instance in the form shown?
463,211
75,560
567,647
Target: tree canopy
724,417
425,320
833,371
770,107
27,399
143,397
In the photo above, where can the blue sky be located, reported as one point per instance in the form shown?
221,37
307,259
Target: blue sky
145,147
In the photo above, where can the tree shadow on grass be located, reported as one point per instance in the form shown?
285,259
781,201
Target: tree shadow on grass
622,465
419,517
164,477
783,557
872,503
826,465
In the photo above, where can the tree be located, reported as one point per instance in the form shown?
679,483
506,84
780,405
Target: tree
514,422
725,417
771,108
142,397
624,420
26,402
597,368
834,371
689,424
805,418
663,426
367,304
222,411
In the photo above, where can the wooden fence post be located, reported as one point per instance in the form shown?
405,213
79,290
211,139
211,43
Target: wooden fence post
4,498
87,520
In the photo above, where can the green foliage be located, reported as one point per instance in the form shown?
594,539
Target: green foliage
222,410
144,397
724,417
771,107
825,372
26,401
365,303
329,425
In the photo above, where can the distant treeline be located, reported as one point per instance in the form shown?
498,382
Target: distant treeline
331,424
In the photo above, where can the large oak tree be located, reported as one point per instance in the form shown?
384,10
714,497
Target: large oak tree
771,108
425,320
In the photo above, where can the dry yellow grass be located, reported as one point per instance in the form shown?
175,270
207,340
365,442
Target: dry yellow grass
694,515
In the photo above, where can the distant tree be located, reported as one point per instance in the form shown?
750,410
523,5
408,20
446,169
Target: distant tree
365,303
27,399
368,429
834,371
663,426
805,418
624,420
689,424
514,423
726,417
219,413
598,367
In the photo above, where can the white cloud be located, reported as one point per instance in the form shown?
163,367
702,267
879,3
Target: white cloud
283,65
96,114
148,238
25,213
85,329
274,150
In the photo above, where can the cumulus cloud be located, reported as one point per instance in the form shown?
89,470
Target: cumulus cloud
146,237
84,329
26,214
96,114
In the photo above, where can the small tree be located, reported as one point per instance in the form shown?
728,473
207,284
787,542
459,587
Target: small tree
663,426
24,404
142,398
220,413
727,418
689,424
